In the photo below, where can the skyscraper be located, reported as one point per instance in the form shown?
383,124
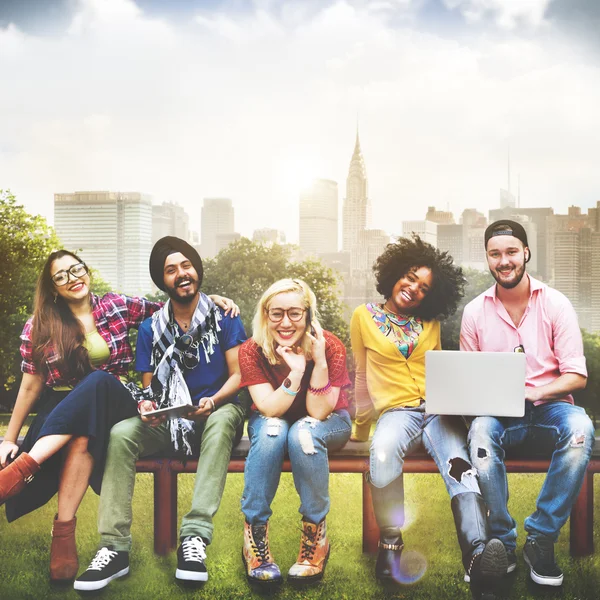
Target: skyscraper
357,210
216,219
169,218
319,217
110,230
268,236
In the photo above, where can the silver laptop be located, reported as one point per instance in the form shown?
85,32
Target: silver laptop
475,383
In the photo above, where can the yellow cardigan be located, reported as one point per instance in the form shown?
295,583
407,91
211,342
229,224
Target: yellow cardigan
384,378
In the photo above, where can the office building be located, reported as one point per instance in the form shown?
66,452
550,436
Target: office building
169,218
112,232
268,236
356,210
319,217
216,219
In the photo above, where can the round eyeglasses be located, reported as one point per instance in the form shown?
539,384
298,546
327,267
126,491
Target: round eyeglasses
61,278
294,314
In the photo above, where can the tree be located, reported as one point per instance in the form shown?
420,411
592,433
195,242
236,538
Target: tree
244,270
477,282
589,397
25,242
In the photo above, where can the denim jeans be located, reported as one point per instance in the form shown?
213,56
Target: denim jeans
131,439
400,431
307,442
555,428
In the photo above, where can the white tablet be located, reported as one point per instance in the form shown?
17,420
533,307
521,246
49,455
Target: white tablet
172,412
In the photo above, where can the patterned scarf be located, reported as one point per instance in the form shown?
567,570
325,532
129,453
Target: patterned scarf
402,330
173,353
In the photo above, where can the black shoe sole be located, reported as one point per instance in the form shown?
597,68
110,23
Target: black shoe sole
494,562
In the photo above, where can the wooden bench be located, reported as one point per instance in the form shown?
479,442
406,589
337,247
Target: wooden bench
354,458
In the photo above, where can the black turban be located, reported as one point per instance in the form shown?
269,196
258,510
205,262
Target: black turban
169,245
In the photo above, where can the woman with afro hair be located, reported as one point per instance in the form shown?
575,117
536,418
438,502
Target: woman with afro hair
420,286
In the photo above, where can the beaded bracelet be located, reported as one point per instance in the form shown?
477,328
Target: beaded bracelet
320,391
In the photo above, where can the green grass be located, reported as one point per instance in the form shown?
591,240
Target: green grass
429,537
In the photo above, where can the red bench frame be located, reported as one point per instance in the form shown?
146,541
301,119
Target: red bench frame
354,459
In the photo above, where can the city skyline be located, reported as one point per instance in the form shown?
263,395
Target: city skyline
120,95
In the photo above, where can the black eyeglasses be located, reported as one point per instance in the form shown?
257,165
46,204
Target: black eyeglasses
61,278
294,314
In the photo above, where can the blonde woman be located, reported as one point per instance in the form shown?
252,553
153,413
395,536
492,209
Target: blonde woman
295,372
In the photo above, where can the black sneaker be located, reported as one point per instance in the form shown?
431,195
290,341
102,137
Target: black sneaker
539,555
108,564
190,559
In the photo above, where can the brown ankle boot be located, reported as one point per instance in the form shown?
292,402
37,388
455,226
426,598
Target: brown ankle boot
63,552
15,476
313,555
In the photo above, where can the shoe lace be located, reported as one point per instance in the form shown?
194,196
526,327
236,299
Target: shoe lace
309,541
260,545
102,558
193,549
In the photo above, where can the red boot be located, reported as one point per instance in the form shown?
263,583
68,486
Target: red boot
63,552
14,477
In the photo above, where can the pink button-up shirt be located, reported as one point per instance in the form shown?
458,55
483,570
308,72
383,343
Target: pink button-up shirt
548,333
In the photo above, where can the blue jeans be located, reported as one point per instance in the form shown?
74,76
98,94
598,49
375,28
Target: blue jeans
400,431
556,428
307,442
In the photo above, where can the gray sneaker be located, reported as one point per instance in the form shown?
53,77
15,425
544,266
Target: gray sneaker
539,555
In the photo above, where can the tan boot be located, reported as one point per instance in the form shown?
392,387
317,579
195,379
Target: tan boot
15,476
64,563
257,557
313,555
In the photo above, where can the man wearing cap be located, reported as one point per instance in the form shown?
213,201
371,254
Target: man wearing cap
187,353
522,314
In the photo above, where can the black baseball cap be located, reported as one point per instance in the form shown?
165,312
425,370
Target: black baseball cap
507,227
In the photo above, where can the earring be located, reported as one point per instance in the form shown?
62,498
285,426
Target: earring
55,297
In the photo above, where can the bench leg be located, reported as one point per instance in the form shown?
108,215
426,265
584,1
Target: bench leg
370,529
582,519
165,509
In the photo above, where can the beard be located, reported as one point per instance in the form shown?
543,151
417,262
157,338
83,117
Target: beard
188,296
513,283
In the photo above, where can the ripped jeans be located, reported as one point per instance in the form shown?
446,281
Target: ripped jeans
556,429
400,431
307,442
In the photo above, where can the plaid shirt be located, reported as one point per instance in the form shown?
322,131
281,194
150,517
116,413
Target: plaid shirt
114,315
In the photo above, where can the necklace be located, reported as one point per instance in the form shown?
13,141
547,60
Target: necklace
401,315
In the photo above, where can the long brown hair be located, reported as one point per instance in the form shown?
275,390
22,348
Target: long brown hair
55,327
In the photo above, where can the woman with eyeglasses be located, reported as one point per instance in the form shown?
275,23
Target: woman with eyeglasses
420,285
74,349
295,372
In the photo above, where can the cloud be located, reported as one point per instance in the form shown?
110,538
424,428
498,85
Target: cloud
507,14
221,105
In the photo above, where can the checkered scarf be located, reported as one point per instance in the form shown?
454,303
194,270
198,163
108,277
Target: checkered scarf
170,361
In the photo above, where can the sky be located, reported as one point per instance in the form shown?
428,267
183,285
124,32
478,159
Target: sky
250,100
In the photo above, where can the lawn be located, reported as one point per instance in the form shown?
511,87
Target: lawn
431,550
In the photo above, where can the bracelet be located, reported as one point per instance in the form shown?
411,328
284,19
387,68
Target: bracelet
320,391
288,391
212,402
